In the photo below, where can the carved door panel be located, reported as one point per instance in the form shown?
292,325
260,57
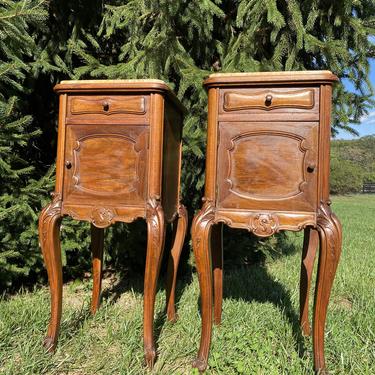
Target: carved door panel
268,165
105,164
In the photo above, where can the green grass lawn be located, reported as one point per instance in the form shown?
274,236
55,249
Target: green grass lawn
259,333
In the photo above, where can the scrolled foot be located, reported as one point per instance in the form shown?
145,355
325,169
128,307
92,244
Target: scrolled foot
150,356
322,372
172,318
49,344
200,364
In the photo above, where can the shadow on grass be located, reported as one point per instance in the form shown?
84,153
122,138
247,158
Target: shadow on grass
130,264
134,283
74,324
246,277
255,284
128,280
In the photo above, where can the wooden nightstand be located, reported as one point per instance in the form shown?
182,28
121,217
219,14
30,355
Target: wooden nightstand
118,159
267,169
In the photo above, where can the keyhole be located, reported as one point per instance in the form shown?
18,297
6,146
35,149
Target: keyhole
106,106
311,168
68,164
268,99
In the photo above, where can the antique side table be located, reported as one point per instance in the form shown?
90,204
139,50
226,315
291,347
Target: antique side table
267,169
118,159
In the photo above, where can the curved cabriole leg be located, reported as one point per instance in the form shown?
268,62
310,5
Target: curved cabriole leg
217,265
201,229
49,230
155,245
310,245
330,235
179,231
97,245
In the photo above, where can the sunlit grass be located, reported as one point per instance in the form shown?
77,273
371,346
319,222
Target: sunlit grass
259,332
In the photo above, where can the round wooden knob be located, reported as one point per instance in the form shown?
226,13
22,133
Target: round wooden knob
311,168
105,106
68,164
268,99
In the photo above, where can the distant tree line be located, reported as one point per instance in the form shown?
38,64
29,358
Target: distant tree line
352,164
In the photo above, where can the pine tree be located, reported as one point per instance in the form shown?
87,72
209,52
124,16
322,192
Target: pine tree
310,34
183,41
179,41
19,192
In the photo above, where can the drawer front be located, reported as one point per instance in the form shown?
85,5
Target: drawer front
107,109
266,104
270,166
105,165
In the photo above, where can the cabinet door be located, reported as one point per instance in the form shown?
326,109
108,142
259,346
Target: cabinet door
105,164
268,165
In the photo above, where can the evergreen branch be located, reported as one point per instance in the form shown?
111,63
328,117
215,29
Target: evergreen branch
21,14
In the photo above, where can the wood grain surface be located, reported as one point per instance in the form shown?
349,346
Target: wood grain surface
118,159
267,170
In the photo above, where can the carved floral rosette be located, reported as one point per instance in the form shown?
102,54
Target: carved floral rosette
264,224
102,217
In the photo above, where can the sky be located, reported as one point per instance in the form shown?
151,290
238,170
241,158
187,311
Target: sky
367,125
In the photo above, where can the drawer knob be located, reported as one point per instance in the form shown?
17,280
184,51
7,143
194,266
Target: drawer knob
68,164
105,106
311,168
268,99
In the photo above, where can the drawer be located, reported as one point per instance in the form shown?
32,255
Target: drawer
269,103
109,108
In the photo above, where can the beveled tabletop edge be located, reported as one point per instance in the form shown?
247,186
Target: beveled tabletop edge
110,81
269,77
118,85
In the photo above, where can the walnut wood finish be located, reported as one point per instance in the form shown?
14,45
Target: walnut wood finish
201,232
268,100
108,105
118,159
267,169
310,246
49,229
217,267
155,244
97,248
179,232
